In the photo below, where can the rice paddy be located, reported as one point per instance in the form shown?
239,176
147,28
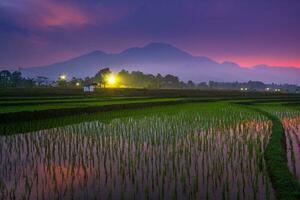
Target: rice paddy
292,132
198,151
290,118
36,104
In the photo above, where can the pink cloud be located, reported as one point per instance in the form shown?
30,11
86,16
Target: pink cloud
250,61
51,13
59,15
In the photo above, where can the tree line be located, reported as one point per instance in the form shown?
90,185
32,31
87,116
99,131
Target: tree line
136,79
14,79
133,79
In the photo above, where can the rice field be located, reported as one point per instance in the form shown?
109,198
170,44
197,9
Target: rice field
201,151
290,118
40,104
292,133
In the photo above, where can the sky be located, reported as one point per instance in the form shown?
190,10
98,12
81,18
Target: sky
248,32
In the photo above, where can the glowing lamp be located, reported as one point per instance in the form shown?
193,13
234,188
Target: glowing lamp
111,79
62,77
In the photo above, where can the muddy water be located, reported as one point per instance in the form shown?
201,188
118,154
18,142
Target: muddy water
149,158
292,132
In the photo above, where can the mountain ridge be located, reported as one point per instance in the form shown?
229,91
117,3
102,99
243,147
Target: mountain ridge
166,59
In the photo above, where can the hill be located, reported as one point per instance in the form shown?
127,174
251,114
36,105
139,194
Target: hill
164,58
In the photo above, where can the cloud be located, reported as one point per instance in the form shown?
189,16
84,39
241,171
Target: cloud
217,28
32,14
55,14
40,14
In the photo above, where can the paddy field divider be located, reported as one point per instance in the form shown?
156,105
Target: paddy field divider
284,182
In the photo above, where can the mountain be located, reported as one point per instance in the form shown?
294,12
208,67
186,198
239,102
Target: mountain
164,58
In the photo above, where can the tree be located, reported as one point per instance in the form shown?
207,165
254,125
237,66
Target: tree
88,81
101,75
171,81
190,84
75,82
5,78
202,85
159,80
42,80
256,85
62,80
16,78
28,83
125,78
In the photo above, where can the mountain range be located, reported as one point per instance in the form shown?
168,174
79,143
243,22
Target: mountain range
165,59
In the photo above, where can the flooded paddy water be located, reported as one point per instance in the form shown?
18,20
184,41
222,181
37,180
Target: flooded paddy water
180,156
290,118
292,132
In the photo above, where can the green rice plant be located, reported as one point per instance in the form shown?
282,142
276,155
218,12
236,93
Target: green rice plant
198,150
285,183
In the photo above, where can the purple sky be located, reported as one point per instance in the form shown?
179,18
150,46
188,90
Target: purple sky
249,32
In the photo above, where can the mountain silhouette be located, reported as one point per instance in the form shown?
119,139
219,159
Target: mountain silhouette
165,59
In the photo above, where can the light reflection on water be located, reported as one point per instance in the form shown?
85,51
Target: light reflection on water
152,157
292,132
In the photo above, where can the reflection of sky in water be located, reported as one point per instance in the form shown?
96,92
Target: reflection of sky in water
292,132
149,157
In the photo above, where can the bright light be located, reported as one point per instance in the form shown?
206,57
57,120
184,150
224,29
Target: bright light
111,80
77,84
277,90
62,77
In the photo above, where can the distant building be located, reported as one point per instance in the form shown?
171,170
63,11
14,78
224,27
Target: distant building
89,88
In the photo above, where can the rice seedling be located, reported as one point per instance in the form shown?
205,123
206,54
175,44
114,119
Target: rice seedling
194,153
286,184
290,118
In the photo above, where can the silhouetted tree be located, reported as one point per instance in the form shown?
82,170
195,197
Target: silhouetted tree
16,79
75,82
5,78
99,78
190,84
171,81
62,81
42,80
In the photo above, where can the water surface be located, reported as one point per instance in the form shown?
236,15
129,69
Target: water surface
158,157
